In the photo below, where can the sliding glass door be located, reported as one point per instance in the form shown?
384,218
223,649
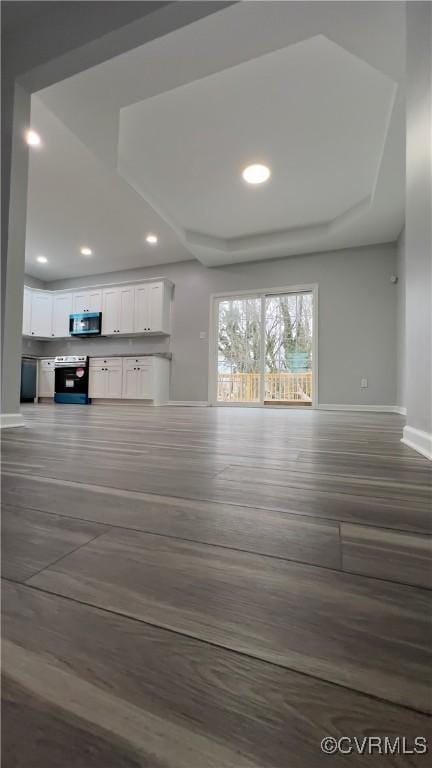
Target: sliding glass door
265,349
288,349
239,350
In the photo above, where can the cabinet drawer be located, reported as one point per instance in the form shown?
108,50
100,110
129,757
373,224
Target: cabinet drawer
142,361
46,363
97,361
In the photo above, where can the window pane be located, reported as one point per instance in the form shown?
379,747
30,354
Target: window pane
288,348
239,350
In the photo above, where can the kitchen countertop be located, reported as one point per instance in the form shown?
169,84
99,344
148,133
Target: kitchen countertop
166,355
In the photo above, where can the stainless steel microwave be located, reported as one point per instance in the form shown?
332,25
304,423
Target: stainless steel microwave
85,324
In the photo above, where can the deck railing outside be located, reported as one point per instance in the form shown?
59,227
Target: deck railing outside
278,387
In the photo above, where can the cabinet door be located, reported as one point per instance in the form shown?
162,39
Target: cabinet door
41,314
114,381
27,312
97,381
80,302
141,313
130,381
110,311
46,381
156,306
126,309
62,308
87,301
145,382
94,301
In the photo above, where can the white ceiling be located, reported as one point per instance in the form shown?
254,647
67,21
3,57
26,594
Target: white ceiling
155,140
74,201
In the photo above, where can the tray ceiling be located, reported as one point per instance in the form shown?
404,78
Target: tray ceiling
311,92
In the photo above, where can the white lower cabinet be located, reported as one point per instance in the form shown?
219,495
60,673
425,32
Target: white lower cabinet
129,378
105,377
46,378
138,378
97,381
114,381
146,378
130,382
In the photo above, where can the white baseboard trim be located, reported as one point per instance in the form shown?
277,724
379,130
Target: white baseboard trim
401,410
370,408
418,440
191,403
9,420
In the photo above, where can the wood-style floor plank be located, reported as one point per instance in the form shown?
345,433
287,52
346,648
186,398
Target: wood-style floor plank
393,555
213,708
54,738
210,622
309,540
384,511
313,620
391,490
31,540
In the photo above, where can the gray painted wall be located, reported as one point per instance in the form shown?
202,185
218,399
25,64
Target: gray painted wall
401,320
34,347
418,241
13,256
357,319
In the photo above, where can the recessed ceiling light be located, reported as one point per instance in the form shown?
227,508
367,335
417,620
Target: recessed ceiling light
32,139
152,239
42,259
85,251
256,173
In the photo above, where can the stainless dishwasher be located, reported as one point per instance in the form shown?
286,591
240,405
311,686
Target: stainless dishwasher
28,379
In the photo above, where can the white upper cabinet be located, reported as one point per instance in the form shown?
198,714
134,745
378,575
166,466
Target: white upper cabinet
110,311
152,308
126,309
87,301
156,308
41,314
127,305
27,312
62,308
141,315
118,310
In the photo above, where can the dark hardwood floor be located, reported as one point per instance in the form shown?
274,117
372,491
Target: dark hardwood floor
212,588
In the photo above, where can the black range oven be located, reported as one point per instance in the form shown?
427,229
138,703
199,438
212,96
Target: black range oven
71,379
